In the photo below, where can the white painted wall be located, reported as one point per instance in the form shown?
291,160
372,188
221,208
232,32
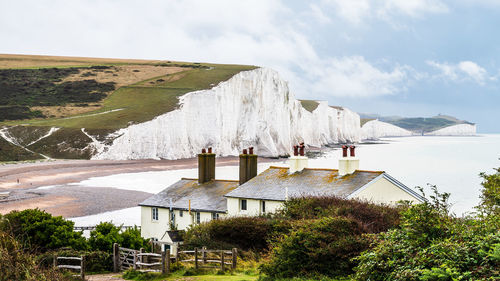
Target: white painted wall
156,228
383,191
254,207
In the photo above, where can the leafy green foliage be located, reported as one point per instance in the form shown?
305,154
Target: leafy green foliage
490,197
374,217
106,234
317,247
39,230
15,264
431,244
95,261
240,232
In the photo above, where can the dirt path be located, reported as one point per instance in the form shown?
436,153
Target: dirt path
104,277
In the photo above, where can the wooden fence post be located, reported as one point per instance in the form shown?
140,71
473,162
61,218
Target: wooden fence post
163,261
204,254
235,257
142,259
116,257
135,259
222,260
168,261
177,250
55,260
196,258
82,267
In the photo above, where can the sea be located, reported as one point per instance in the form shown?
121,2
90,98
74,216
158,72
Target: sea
451,163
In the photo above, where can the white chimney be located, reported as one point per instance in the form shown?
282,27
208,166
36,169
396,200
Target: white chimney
298,161
348,164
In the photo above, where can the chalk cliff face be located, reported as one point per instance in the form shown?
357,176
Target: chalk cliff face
455,130
375,129
253,108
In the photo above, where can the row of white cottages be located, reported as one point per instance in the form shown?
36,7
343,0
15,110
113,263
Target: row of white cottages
193,201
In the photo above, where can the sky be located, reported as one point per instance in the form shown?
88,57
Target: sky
394,57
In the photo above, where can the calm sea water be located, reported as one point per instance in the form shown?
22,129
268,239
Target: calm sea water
451,163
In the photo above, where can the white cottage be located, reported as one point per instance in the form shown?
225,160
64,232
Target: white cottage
193,201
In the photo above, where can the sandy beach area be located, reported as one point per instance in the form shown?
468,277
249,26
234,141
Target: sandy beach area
54,186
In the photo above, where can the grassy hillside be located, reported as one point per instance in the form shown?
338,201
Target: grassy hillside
100,95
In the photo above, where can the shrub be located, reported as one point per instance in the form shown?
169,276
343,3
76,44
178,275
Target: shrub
431,244
374,217
95,261
15,264
317,247
240,232
39,230
106,234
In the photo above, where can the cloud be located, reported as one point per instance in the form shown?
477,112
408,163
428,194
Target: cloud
353,76
360,11
462,71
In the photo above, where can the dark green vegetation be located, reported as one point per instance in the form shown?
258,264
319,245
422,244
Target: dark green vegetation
26,82
31,238
10,152
310,237
23,88
432,244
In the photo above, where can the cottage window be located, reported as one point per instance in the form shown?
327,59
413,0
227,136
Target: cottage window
263,206
243,205
154,213
215,216
198,217
181,213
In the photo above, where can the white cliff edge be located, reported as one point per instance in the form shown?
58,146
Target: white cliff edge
376,129
253,108
455,130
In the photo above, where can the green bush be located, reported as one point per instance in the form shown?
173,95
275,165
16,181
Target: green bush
374,217
237,232
39,230
317,247
106,234
15,264
431,244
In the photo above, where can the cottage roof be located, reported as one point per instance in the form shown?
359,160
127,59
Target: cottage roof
275,182
207,196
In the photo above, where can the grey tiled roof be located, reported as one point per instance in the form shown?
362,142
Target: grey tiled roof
208,196
272,184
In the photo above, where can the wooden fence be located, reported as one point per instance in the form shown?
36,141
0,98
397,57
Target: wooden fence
80,267
124,259
203,258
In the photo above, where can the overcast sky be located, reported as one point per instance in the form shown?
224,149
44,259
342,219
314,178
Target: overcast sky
392,57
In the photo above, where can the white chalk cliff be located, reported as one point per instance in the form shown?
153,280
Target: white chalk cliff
455,130
375,129
253,108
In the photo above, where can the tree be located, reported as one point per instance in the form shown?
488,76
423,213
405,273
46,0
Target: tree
39,230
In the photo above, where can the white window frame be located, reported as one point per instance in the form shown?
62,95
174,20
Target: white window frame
241,204
172,217
198,217
181,213
154,214
263,206
215,216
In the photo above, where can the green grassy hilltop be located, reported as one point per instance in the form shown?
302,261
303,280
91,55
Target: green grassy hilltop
100,95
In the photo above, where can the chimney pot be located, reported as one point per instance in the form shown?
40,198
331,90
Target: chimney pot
344,151
209,150
295,150
203,150
352,150
302,149
245,151
250,150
